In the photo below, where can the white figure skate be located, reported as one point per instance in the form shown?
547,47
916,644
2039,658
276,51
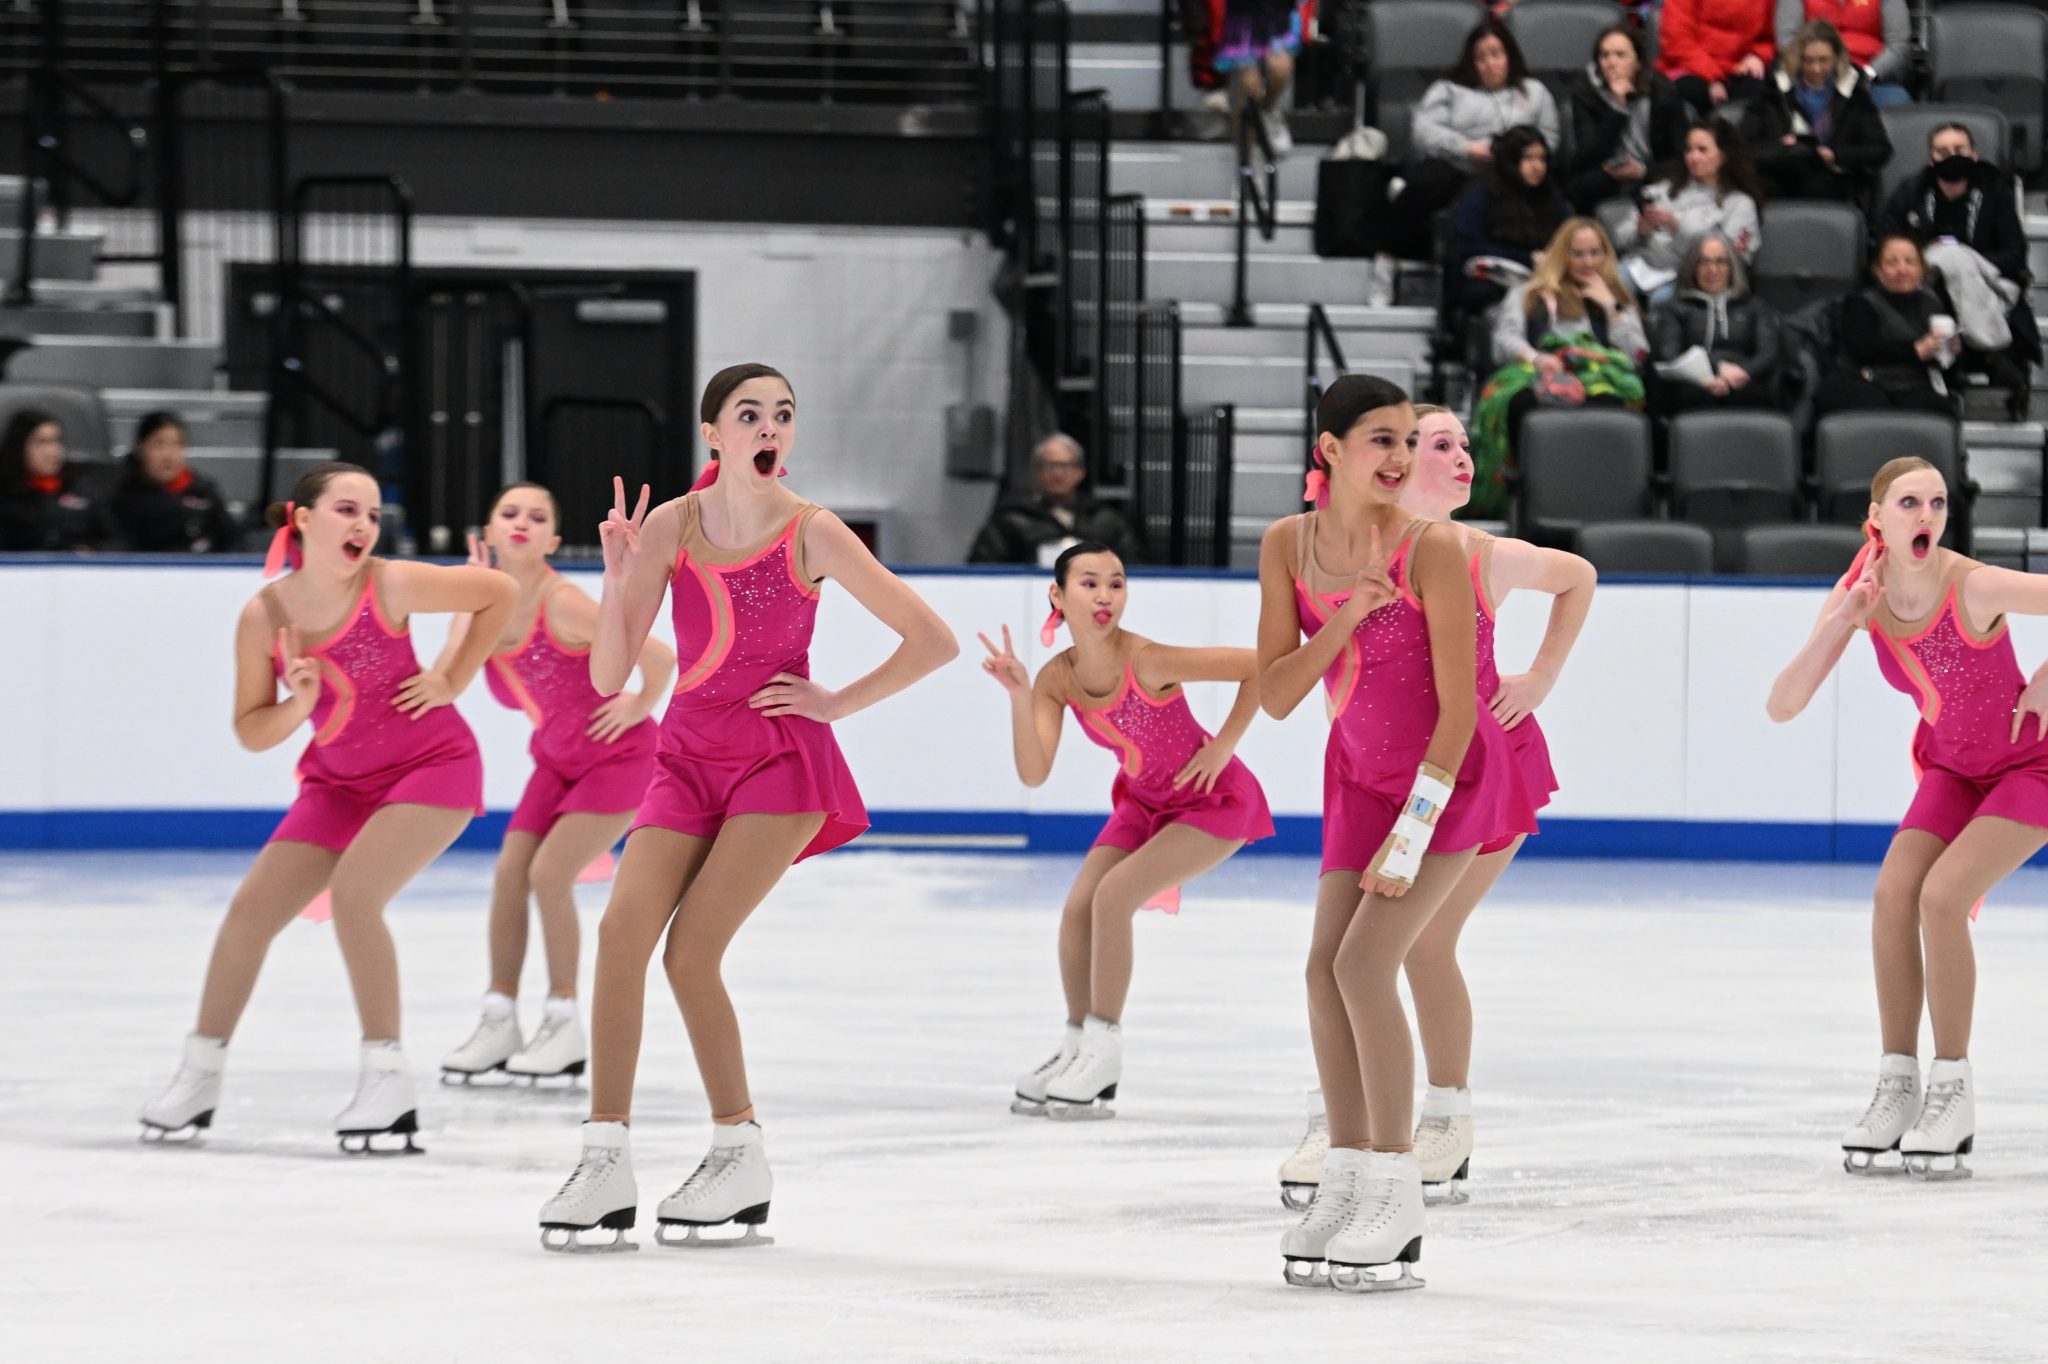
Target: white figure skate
1030,1099
1892,1110
1303,1248
1087,1082
1385,1228
1946,1129
185,1109
384,1106
495,1041
557,1051
1302,1171
731,1185
599,1195
1443,1144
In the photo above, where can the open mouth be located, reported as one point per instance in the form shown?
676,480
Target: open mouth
1923,545
1391,478
1102,615
354,550
764,462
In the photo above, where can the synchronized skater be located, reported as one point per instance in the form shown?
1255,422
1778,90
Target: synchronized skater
391,777
1181,804
1418,778
1439,484
1938,623
748,780
592,759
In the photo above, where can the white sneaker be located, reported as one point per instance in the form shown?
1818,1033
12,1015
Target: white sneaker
558,1050
384,1105
1892,1110
186,1108
1443,1144
1030,1100
494,1042
1216,102
731,1184
1088,1080
1385,1227
1303,1248
1302,1171
599,1195
1278,134
1386,273
1947,1126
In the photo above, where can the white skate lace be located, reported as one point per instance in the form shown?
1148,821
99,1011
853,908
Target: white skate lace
596,1164
1051,1065
1941,1106
1894,1092
483,1034
548,1032
1373,1204
709,1174
1315,1142
1433,1138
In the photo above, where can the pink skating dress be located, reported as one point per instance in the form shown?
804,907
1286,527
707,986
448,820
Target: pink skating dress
741,617
1532,750
1966,688
572,773
365,754
1153,736
1382,698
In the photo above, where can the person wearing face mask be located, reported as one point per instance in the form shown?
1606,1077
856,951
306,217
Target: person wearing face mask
164,505
43,505
1816,130
1716,193
1628,120
1506,217
1964,212
1714,313
1897,336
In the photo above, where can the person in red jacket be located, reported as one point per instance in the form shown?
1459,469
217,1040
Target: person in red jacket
1878,34
1716,50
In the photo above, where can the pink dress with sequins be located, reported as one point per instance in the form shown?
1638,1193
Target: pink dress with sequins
1153,736
1532,750
1383,709
741,617
1966,688
572,772
365,753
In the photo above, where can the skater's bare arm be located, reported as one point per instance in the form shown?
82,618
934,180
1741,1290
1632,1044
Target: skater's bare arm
572,615
1847,609
833,551
261,720
1288,668
485,594
1517,565
1449,609
639,555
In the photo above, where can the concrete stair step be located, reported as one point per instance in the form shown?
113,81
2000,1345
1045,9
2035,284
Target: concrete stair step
238,470
117,362
1207,277
1284,342
90,293
1288,239
130,321
215,419
1198,171
58,255
1252,381
1129,73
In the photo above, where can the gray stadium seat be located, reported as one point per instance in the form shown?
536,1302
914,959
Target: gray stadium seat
1910,126
1797,550
1647,547
1556,38
1995,55
1580,465
77,410
1850,447
1811,250
1413,43
1734,468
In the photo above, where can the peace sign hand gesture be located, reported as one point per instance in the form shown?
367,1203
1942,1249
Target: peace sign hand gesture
301,674
620,532
1004,665
479,553
1374,586
1866,592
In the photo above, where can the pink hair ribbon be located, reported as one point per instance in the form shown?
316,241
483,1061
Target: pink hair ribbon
1049,631
1316,487
284,548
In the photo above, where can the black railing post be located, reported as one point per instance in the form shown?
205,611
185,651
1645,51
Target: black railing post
167,98
1253,205
1226,473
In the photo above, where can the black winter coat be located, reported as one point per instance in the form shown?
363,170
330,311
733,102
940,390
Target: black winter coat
1597,125
154,521
1878,331
1016,529
1984,217
1857,137
37,522
1741,331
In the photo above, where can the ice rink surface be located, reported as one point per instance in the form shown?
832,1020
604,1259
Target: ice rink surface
1666,1055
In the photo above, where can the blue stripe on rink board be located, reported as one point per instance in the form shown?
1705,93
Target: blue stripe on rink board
1014,831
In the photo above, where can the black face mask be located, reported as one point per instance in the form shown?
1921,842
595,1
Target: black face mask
1954,170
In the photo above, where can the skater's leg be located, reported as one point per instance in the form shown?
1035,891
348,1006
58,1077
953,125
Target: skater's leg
1369,975
510,888
1077,928
652,872
1329,1029
1443,1006
397,844
748,857
1988,850
574,843
1895,938
1279,71
283,880
1174,856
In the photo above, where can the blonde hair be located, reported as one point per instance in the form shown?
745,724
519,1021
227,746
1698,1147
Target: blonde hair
1552,273
1814,31
1895,470
1432,410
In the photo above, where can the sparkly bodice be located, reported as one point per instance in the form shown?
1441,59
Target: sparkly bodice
1482,640
1965,687
739,623
550,681
357,731
1152,738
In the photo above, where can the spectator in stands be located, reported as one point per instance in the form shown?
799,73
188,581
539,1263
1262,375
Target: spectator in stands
1816,133
1507,215
1628,121
1714,190
1735,333
1488,92
1964,212
164,505
1255,52
1571,336
42,503
1716,50
1059,514
1896,337
1879,35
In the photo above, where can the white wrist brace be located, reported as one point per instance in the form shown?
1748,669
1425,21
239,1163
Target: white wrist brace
1415,826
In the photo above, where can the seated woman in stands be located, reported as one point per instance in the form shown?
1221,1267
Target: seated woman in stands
1816,131
1714,192
43,506
1897,339
1734,333
1878,34
1572,336
1628,121
164,505
1505,218
1488,92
